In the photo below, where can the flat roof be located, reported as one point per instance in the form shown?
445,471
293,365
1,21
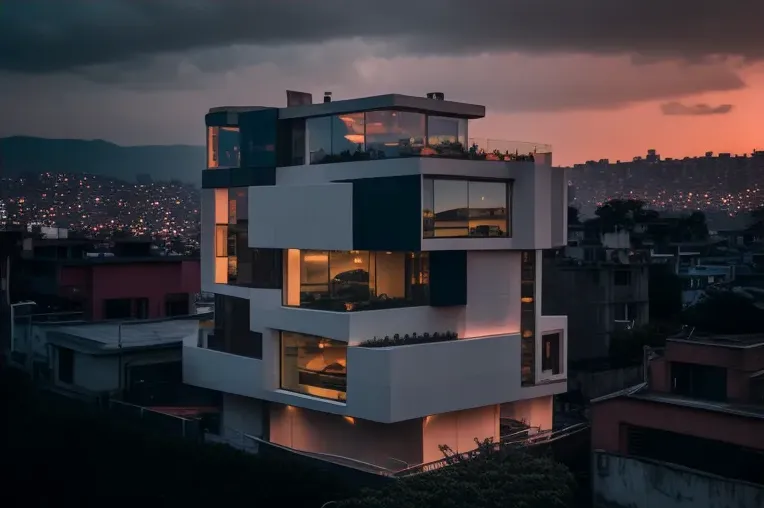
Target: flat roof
642,393
746,410
389,101
377,102
112,260
107,337
743,341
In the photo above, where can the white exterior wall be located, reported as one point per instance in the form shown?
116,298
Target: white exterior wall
318,217
310,208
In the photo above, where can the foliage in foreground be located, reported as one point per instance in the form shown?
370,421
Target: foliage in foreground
79,454
508,480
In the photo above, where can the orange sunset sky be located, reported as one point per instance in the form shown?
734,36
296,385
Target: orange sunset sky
593,79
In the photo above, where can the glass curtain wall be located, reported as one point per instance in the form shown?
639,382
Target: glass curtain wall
382,135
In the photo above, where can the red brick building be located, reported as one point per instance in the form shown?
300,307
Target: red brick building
702,407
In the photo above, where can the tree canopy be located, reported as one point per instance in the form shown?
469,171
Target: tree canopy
725,311
501,479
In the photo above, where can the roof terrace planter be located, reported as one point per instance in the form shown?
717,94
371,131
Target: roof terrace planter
408,340
478,150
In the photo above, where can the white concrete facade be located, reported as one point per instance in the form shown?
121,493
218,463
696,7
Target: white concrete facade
407,398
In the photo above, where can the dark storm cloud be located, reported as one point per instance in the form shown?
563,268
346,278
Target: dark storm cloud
679,109
39,36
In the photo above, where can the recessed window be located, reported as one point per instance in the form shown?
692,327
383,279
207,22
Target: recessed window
551,357
345,281
314,366
464,208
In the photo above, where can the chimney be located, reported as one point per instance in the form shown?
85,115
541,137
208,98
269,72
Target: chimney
327,97
438,96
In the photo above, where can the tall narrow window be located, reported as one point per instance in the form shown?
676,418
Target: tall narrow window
221,241
528,317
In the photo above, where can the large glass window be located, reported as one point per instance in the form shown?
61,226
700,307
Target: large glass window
444,132
319,138
232,328
355,280
348,135
462,208
223,147
246,266
394,133
313,365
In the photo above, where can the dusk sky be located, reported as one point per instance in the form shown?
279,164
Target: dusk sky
596,78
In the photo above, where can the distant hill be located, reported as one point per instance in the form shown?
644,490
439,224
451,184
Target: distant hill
22,154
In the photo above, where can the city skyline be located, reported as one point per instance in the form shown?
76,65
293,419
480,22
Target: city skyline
593,82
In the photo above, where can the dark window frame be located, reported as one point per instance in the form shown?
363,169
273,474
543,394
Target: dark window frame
622,278
432,178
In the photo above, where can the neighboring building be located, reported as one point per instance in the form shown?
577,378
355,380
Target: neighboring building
602,285
328,225
135,361
126,279
10,248
703,408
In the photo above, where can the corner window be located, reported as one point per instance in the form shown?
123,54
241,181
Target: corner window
314,366
394,133
465,208
444,131
223,147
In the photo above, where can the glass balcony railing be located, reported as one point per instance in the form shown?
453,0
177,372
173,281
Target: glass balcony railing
476,149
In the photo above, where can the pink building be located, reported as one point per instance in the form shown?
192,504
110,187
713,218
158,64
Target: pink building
702,407
129,282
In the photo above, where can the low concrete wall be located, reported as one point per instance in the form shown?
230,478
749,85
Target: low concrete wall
604,382
629,482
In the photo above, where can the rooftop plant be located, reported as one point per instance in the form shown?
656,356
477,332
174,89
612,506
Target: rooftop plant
408,340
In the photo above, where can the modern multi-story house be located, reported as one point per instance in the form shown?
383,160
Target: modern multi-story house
326,226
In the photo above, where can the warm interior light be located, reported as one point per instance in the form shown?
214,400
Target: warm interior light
357,260
526,299
350,420
316,258
527,334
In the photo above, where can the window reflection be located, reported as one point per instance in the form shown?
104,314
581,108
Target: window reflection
528,317
488,209
394,133
223,147
355,280
451,199
463,208
319,138
348,134
313,365
428,208
443,132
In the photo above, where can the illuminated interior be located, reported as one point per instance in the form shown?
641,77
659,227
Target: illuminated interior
383,134
528,317
355,280
223,147
313,365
